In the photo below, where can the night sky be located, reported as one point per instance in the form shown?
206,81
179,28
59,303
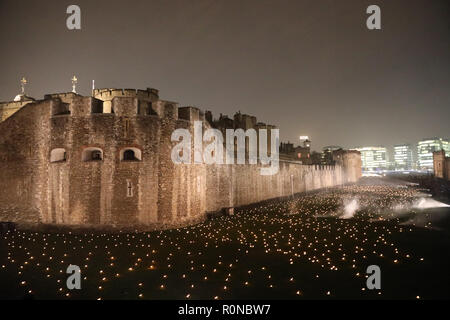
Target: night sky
310,67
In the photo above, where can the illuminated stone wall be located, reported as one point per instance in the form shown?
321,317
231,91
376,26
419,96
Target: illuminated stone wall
7,109
237,185
38,187
441,165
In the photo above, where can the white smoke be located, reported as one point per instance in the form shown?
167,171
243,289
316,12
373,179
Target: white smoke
399,207
421,203
428,203
350,208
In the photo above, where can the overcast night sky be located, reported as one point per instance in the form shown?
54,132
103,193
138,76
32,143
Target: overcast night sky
310,67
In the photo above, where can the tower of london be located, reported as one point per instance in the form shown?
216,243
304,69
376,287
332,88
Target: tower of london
105,160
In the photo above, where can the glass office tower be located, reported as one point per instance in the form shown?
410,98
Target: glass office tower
403,157
425,149
373,158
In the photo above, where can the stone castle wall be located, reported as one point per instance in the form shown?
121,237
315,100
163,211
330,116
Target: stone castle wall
7,109
441,165
152,192
238,185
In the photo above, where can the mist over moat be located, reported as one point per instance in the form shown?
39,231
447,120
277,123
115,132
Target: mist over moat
315,245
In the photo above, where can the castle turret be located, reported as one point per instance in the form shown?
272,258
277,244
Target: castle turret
8,108
439,164
147,97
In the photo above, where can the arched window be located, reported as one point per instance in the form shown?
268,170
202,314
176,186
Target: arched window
130,154
92,154
58,155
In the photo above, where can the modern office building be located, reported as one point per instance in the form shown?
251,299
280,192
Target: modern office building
403,157
373,158
425,149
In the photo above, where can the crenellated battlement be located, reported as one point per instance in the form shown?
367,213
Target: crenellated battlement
7,109
108,94
79,106
191,114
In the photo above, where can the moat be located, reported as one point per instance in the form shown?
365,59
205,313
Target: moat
314,246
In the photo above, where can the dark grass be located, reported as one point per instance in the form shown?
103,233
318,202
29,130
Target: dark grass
280,250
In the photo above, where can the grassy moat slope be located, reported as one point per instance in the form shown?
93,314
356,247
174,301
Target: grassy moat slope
315,246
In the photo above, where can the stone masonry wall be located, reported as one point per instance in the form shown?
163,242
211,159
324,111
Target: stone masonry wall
153,192
238,185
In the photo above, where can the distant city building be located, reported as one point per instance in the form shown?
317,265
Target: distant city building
403,157
316,158
373,158
425,149
305,142
326,156
287,151
303,154
299,153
